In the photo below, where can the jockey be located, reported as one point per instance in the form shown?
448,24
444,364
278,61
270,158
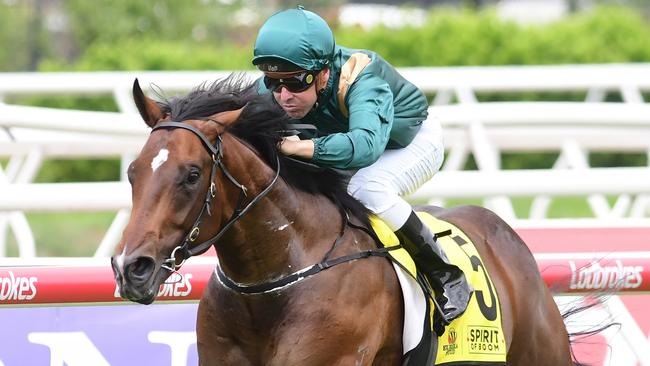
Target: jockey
371,120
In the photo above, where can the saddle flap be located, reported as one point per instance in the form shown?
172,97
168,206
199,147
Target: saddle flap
477,335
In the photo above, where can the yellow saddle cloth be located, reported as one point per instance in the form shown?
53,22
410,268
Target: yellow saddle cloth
477,335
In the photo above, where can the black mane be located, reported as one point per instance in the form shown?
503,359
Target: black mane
262,124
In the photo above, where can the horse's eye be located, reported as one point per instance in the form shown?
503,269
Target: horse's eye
193,176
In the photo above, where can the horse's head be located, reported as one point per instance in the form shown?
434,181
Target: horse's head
172,184
185,191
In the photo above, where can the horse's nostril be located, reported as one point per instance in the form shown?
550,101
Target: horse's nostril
140,270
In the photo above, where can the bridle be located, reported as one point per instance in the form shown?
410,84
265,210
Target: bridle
185,251
187,248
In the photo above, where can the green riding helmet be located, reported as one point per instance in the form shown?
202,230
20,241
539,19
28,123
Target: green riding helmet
292,40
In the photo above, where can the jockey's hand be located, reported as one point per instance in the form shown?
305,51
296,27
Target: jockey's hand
294,146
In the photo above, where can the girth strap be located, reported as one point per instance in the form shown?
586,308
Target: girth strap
300,275
304,273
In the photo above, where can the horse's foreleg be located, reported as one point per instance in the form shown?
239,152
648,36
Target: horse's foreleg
354,319
213,344
388,356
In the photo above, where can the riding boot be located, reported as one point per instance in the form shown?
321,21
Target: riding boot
452,292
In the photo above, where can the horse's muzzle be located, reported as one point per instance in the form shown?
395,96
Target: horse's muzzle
135,279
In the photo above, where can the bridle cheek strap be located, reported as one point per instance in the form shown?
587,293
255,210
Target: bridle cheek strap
239,211
188,249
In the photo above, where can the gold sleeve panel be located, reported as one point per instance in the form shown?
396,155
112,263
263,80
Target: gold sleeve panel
349,73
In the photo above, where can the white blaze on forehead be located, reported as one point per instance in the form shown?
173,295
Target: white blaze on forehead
159,159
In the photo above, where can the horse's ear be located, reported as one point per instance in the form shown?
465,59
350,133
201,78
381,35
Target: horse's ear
227,117
149,110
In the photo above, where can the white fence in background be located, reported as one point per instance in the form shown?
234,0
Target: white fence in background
29,135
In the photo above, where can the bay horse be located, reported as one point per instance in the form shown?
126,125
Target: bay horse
210,174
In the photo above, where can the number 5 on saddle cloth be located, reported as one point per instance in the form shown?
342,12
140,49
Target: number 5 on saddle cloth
476,336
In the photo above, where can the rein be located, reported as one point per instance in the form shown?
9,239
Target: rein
216,153
184,250
302,274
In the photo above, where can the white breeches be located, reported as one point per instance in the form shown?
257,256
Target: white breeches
399,172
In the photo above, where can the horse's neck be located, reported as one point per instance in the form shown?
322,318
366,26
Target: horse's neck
286,230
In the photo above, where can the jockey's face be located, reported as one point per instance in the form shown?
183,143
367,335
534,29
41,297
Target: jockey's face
298,104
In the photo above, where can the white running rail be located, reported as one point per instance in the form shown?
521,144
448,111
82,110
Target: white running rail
484,130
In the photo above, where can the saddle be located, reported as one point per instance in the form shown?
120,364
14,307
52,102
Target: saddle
476,337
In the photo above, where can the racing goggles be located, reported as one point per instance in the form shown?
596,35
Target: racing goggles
294,82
